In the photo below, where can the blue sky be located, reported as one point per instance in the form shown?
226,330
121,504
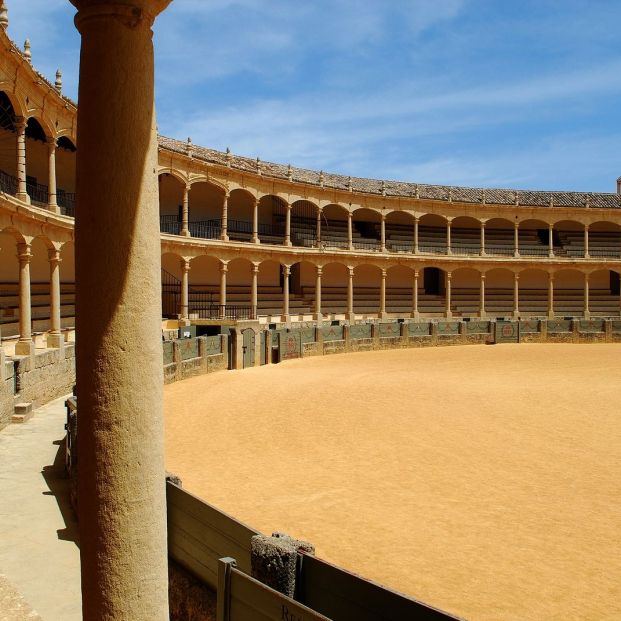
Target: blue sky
465,92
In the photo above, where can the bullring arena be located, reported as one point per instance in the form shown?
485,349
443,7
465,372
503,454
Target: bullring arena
461,447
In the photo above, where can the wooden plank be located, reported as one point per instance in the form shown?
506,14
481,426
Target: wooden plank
343,596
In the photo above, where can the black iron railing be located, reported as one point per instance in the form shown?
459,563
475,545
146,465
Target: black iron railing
8,183
66,202
38,193
170,224
222,311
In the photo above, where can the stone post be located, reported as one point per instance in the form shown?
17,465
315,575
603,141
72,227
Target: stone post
586,242
55,338
447,310
318,231
415,235
382,308
254,292
516,295
350,232
255,222
185,211
286,271
383,234
448,236
415,313
25,345
185,292
516,239
122,509
224,228
482,242
318,315
587,311
482,311
223,270
51,175
268,346
551,241
550,295
20,127
350,315
288,226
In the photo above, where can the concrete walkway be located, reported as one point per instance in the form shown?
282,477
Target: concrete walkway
39,554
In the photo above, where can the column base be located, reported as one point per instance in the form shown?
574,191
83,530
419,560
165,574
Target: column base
382,315
516,255
24,348
550,255
317,316
350,316
285,318
482,314
551,315
587,314
415,315
516,314
184,322
224,238
587,256
255,240
482,253
53,207
288,244
25,198
448,314
55,340
185,233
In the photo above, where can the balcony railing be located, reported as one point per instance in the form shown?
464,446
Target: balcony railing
8,183
39,193
222,311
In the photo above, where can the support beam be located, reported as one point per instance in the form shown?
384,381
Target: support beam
224,268
587,310
482,242
551,295
288,226
383,234
286,272
350,233
382,309
185,292
255,222
20,128
121,487
482,311
318,231
185,211
516,239
586,242
448,313
415,313
55,338
448,236
51,176
318,314
416,236
551,241
25,345
516,295
254,291
350,316
224,228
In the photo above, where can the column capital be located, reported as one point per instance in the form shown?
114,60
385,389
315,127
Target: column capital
20,123
516,276
483,223
351,271
384,272
255,269
483,275
516,225
449,275
51,142
224,268
286,270
185,265
53,255
586,227
132,13
24,253
416,273
319,270
551,276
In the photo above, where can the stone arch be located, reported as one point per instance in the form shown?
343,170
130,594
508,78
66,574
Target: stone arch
569,238
399,282
466,291
272,211
8,139
569,292
171,190
334,281
604,239
432,234
334,225
533,292
400,231
367,281
240,214
270,289
304,223
366,228
37,160
604,292
533,236
499,291
499,237
466,235
171,284
65,171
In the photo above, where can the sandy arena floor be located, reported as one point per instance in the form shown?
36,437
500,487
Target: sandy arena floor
483,480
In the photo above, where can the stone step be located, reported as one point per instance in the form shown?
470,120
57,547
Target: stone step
23,413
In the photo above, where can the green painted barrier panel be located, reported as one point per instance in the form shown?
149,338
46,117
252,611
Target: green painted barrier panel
477,327
529,327
616,326
448,327
167,347
213,345
389,329
507,332
332,333
188,348
559,325
419,329
360,331
290,345
308,335
591,325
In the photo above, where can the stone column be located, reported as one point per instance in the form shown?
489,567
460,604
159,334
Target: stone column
286,272
551,241
382,309
55,338
318,314
122,509
224,227
516,295
254,291
516,239
318,232
255,222
448,236
415,235
383,234
350,316
25,345
185,211
447,309
586,242
51,176
482,312
587,311
415,313
224,268
20,128
288,226
185,292
551,295
350,234
482,249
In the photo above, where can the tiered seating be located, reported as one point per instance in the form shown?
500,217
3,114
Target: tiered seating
40,307
601,244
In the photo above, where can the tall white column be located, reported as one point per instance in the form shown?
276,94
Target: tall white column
516,239
516,295
415,313
482,243
350,316
288,226
587,310
51,176
20,128
185,211
448,236
382,309
24,346
254,292
318,231
224,227
185,292
551,241
416,236
122,508
551,295
255,222
383,234
55,338
586,242
318,314
286,272
224,268
350,234
482,311
448,313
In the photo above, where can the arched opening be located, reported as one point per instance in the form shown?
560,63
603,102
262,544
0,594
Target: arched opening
400,231
171,285
399,292
304,223
334,282
533,293
605,240
9,285
432,234
205,202
270,294
37,162
271,219
240,215
8,146
40,285
500,237
499,292
367,282
366,229
432,298
466,292
334,226
171,191
465,236
238,287
569,293
67,285
533,236
568,238
302,283
65,175
604,293
204,293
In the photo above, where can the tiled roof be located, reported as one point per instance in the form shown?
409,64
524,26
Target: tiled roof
534,198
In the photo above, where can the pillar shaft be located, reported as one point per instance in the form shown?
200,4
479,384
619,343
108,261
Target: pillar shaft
448,238
255,222
383,234
288,226
551,241
318,232
318,293
350,234
482,311
20,127
122,508
25,317
550,296
51,175
224,229
254,295
54,259
516,240
516,295
224,268
350,293
286,271
586,241
382,310
447,309
185,290
185,212
415,235
587,310
482,249
415,312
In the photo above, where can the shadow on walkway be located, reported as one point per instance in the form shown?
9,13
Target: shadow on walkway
59,485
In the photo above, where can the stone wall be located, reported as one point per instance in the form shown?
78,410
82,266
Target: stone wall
7,391
206,362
